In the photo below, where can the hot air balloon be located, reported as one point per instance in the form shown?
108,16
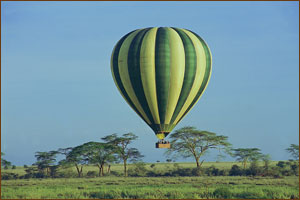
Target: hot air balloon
161,72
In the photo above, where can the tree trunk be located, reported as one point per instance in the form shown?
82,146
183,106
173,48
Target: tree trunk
79,171
199,164
47,171
102,169
125,168
108,169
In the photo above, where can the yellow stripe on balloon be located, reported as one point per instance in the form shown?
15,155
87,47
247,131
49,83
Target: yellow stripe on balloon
124,74
177,68
208,76
200,71
147,67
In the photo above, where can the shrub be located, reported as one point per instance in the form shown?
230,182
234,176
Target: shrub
5,167
288,168
91,174
235,171
9,176
14,167
197,171
254,169
281,164
114,173
223,193
139,169
295,168
182,172
212,171
66,173
152,165
25,166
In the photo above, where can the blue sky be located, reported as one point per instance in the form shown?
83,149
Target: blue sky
57,89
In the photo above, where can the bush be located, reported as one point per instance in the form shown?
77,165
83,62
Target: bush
197,171
288,168
66,173
254,169
5,167
32,172
25,166
223,193
91,174
114,173
14,167
182,172
281,164
152,165
212,171
295,168
235,171
139,169
9,176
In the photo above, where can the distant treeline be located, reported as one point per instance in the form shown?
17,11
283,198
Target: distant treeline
185,142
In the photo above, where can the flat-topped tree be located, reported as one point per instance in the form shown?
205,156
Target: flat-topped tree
190,142
74,156
100,154
45,161
247,154
124,152
4,162
294,151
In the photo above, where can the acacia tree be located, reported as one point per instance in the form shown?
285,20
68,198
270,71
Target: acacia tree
294,151
99,154
124,153
247,154
45,161
4,162
190,142
74,156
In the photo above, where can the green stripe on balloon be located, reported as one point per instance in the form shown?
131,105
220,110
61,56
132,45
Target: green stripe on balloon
206,75
116,73
135,73
162,71
190,70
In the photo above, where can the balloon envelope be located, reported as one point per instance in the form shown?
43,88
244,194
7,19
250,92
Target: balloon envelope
161,73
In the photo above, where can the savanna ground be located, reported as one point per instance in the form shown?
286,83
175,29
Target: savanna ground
195,187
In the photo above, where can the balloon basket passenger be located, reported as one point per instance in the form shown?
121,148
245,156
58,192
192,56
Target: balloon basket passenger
163,144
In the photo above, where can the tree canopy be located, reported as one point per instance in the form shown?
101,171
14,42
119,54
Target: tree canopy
294,151
190,142
123,151
247,154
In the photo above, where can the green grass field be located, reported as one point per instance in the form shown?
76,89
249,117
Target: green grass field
153,188
110,187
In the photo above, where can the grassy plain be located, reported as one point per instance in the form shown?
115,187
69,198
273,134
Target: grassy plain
110,187
153,188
